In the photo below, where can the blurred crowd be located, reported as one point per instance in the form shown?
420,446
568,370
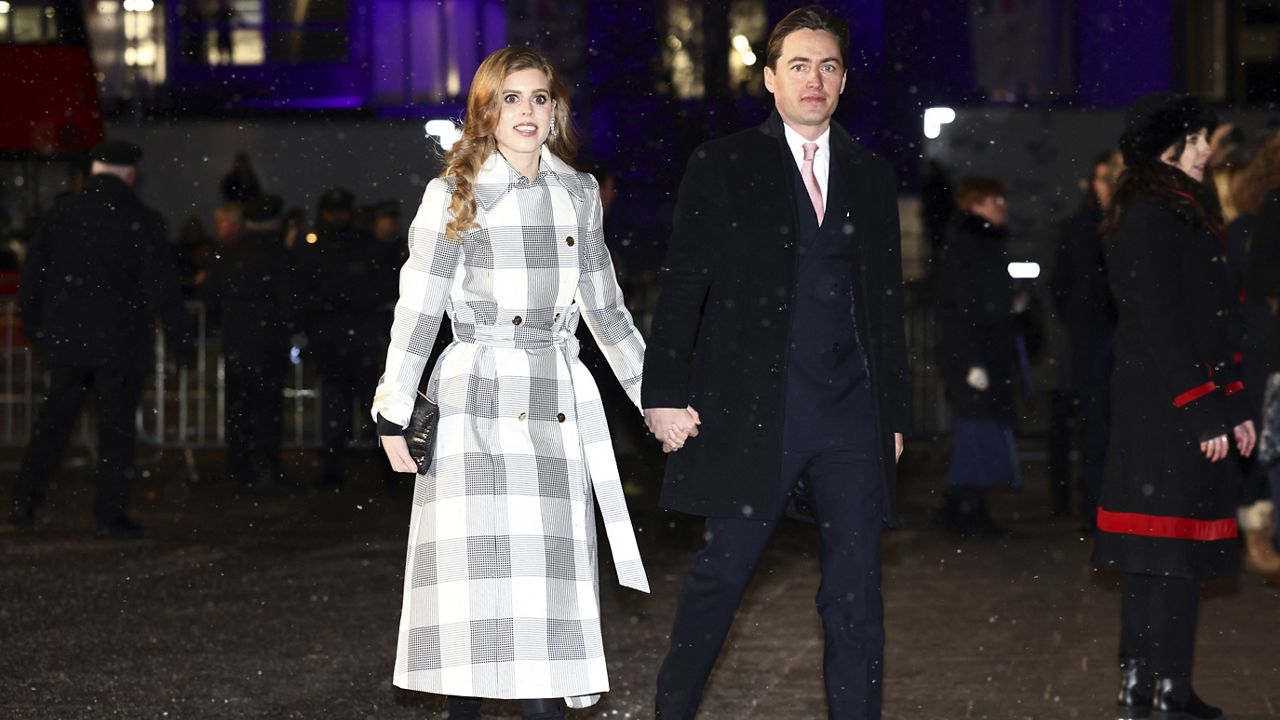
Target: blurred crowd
988,327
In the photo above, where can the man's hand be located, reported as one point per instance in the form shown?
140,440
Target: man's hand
1246,438
672,426
397,451
977,379
897,447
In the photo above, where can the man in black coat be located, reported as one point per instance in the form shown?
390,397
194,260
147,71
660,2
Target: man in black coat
780,323
341,286
99,266
248,297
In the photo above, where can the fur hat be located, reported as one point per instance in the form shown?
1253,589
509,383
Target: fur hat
1157,121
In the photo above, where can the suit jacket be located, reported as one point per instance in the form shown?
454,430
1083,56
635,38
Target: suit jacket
99,266
721,328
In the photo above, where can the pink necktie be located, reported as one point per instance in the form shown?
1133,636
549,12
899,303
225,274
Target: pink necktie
810,181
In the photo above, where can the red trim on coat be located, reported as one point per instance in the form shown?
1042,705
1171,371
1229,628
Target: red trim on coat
1218,232
1233,388
1237,358
1166,526
1195,394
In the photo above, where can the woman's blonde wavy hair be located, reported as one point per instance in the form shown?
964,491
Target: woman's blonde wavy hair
464,159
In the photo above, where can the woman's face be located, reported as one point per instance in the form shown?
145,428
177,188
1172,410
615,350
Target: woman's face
1194,157
525,109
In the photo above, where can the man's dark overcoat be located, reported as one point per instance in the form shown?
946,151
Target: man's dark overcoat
1165,509
99,265
721,328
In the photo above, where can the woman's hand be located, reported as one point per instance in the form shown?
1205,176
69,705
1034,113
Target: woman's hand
1215,449
1246,437
397,451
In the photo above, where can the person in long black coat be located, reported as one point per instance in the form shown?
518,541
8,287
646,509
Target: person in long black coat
780,322
341,284
249,298
1084,305
1167,515
100,268
976,304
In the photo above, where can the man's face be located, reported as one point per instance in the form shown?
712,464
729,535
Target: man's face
225,227
808,80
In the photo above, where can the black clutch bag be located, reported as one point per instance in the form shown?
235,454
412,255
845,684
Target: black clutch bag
420,434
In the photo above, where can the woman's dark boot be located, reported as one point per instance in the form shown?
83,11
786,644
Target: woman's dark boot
1175,700
542,709
461,708
1133,702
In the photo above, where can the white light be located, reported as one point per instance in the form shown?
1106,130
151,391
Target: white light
935,118
1024,270
741,44
748,58
108,7
4,7
140,6
446,131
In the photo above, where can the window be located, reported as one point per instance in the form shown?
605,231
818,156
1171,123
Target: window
258,32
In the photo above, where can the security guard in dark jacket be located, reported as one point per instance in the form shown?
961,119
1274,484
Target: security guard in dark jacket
249,299
99,266
340,289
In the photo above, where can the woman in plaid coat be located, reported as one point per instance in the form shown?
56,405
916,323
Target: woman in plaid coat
501,588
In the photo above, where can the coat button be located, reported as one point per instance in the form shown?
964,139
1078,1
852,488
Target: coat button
782,307
560,417
516,320
773,367
557,317
522,416
569,241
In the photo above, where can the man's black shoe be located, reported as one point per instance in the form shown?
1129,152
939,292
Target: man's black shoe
121,528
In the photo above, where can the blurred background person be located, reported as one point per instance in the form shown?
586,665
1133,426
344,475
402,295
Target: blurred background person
240,184
976,306
248,299
100,267
1256,195
340,292
195,253
1167,515
1084,305
228,225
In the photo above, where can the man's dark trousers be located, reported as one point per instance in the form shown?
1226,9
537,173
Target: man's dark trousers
831,462
117,392
844,488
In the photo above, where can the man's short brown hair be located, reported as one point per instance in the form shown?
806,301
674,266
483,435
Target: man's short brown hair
811,17
973,191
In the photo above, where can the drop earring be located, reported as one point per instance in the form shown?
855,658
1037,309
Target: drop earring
553,129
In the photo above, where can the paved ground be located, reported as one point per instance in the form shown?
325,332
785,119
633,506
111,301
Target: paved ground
284,604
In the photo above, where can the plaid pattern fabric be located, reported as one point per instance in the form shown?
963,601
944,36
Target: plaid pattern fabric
501,588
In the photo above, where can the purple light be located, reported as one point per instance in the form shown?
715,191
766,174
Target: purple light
330,102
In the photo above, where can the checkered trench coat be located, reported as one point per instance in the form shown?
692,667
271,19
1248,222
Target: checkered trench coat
501,592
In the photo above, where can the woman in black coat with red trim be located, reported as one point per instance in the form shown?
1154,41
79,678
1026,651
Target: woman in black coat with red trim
1167,513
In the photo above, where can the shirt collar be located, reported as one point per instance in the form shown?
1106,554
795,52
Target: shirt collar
796,142
496,177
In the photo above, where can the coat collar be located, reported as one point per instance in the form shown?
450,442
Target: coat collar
497,177
843,147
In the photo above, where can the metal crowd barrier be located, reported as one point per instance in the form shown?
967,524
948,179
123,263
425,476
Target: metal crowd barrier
182,408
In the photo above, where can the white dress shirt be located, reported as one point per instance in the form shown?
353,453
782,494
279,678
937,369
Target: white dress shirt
821,160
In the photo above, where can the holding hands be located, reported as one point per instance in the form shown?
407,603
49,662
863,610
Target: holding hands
672,426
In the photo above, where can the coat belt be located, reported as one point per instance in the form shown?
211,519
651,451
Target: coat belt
598,456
